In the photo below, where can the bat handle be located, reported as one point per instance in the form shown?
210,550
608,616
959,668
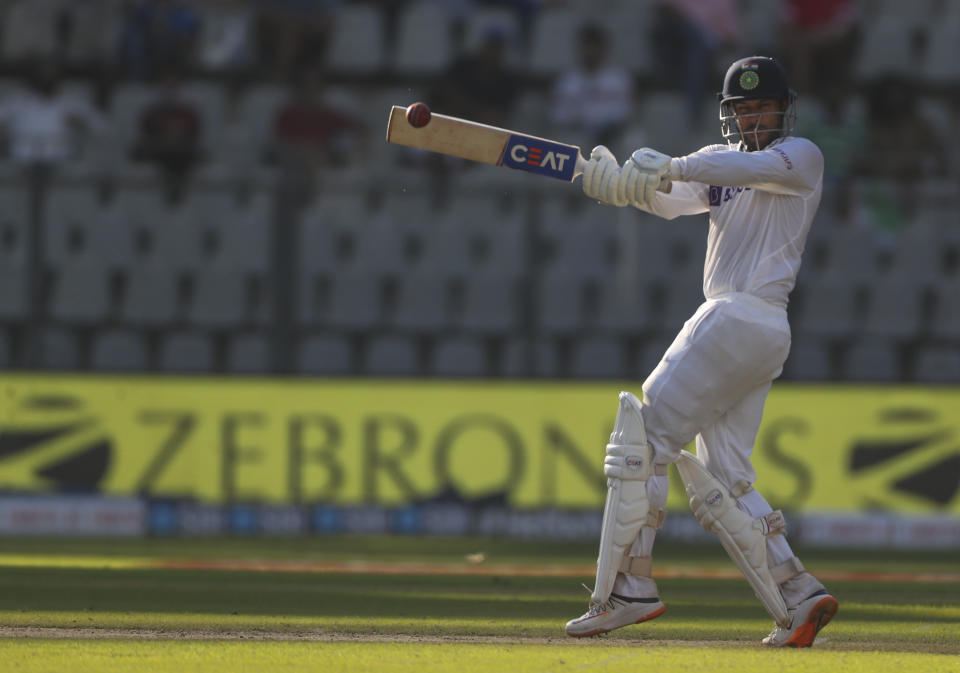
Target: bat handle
665,185
579,167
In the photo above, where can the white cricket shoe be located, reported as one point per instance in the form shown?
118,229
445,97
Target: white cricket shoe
613,613
806,620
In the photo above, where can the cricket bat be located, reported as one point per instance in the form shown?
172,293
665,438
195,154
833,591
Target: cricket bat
489,145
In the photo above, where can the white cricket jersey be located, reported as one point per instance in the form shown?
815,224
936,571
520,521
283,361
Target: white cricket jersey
761,205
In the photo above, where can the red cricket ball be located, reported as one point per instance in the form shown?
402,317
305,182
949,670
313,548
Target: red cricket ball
418,115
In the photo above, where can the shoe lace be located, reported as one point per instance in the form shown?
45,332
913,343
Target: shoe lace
598,607
778,630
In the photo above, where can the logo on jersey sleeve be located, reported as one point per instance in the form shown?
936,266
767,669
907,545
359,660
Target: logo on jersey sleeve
543,157
785,157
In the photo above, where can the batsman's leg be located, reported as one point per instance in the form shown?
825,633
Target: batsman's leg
809,606
725,448
628,529
753,536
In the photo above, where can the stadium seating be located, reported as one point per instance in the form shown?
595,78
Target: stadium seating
531,358
459,357
14,265
894,309
424,41
57,349
938,364
357,44
423,304
945,321
117,350
560,300
151,299
872,361
809,360
29,28
829,307
6,351
491,305
486,273
248,353
81,294
14,288
321,354
599,357
187,352
391,355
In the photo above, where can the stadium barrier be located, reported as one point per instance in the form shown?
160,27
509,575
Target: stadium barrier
291,456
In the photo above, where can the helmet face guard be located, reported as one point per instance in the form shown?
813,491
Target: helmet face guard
755,78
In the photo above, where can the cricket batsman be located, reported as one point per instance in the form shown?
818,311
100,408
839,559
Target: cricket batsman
762,189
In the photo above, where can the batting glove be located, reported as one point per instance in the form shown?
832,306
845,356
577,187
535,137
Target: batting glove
602,178
643,173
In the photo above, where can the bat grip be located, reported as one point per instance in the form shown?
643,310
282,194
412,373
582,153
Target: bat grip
579,166
665,185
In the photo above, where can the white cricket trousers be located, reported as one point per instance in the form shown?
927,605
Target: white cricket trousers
712,383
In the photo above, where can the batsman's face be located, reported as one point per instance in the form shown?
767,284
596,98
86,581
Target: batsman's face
760,121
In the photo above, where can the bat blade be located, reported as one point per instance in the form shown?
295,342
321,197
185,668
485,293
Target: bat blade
487,144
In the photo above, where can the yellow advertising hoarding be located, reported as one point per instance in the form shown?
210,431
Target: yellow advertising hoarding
836,448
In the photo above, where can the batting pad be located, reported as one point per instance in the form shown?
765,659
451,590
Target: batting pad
628,465
742,536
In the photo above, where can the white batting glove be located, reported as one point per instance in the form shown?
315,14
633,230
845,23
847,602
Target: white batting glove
601,178
643,173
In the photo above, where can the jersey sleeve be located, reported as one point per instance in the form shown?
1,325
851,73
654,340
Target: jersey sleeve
793,167
685,198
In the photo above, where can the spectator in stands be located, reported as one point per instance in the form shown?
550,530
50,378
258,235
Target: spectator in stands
593,101
897,148
87,36
170,135
902,145
524,10
292,35
309,132
480,85
40,125
226,37
685,37
820,38
842,139
157,36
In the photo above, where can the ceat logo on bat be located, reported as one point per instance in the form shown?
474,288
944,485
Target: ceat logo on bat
543,157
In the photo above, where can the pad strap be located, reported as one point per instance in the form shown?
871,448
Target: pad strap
637,565
660,469
742,536
787,570
773,523
642,565
656,517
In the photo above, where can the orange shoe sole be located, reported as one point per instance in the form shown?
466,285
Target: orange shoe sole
652,615
819,616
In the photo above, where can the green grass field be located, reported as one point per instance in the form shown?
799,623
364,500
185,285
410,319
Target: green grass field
419,605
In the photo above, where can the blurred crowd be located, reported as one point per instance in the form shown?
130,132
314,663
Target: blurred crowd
290,96
873,120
